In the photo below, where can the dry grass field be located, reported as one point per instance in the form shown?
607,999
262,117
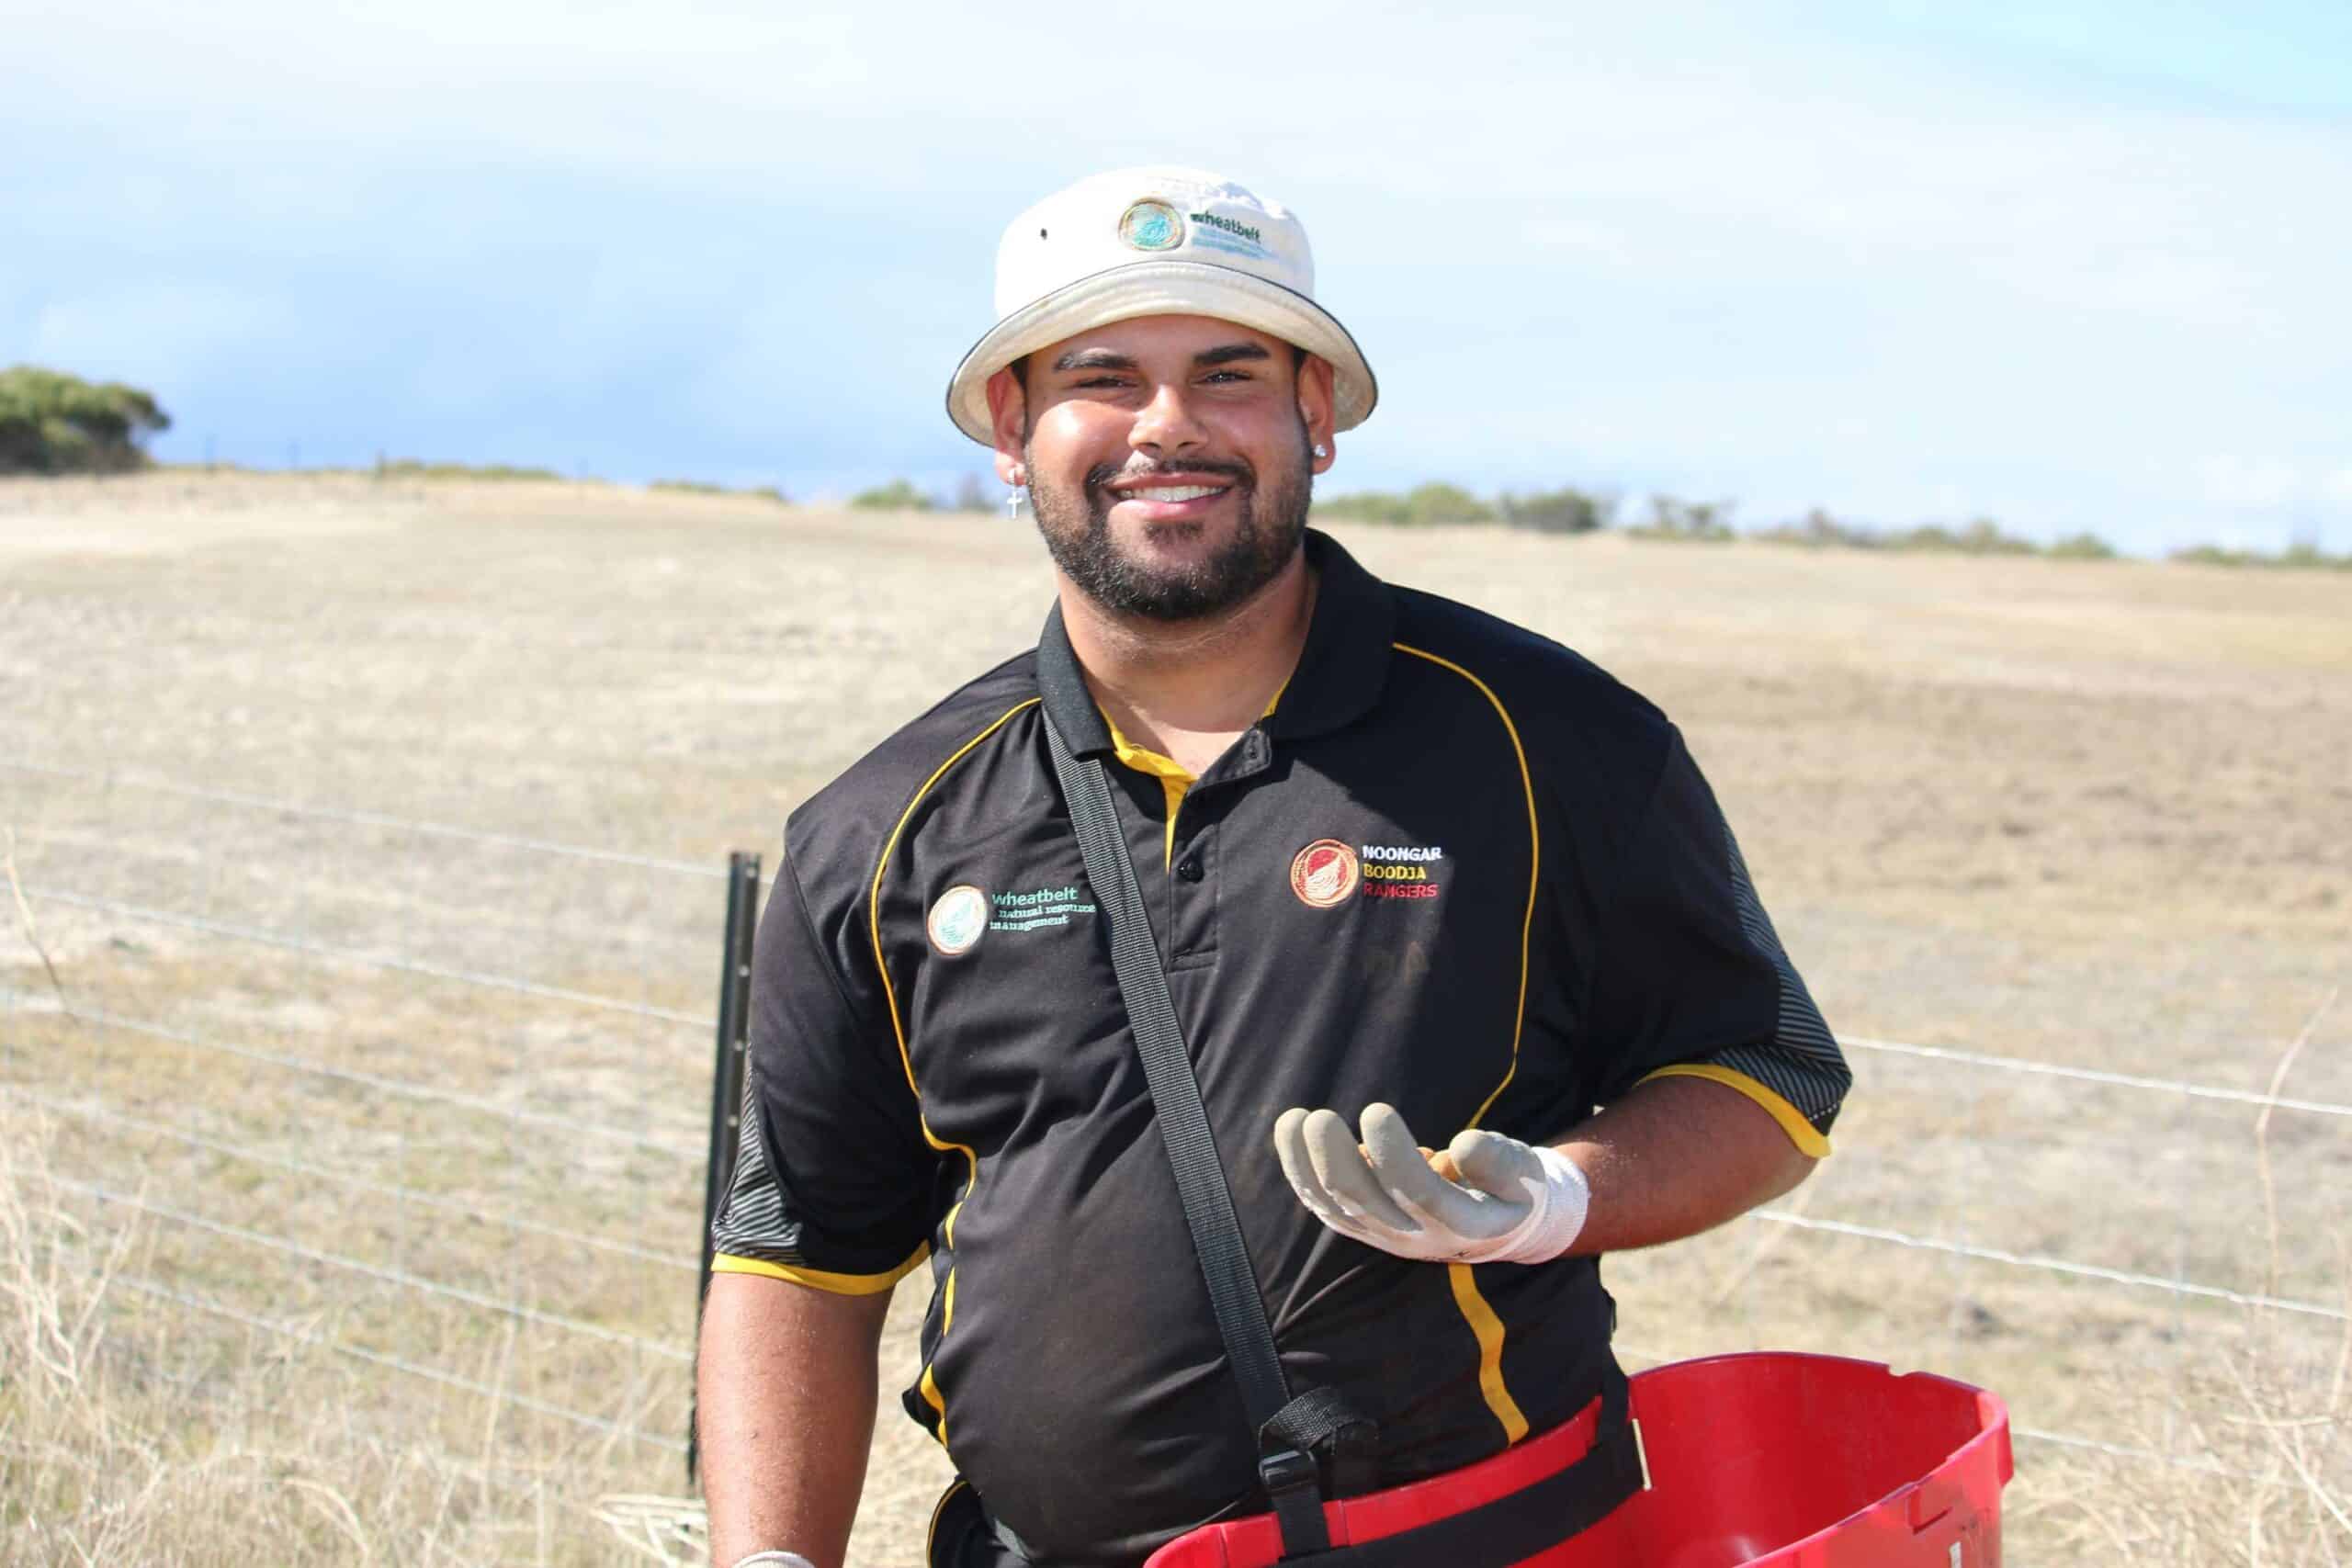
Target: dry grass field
350,1172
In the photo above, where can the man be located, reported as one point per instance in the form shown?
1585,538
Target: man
1411,872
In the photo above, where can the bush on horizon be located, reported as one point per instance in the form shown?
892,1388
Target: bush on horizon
899,495
1434,503
51,423
1690,522
705,486
418,469
2300,556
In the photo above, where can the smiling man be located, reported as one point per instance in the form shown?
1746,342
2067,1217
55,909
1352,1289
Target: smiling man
1122,987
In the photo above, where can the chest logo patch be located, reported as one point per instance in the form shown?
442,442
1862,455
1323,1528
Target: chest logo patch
1324,873
958,919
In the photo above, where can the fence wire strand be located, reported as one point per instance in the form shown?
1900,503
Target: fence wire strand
396,1363
107,778
37,1004
394,1277
403,1194
2092,1075
2051,1264
370,960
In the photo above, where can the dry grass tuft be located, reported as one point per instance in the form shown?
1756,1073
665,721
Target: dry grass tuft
129,1436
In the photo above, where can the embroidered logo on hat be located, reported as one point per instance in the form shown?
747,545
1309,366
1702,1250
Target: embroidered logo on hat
1151,225
1155,241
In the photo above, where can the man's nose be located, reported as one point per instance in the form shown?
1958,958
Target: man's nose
1165,423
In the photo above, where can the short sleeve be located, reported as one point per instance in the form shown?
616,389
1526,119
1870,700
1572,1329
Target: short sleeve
832,1176
1693,981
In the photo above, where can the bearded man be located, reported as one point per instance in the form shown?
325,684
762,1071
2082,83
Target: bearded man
1141,1073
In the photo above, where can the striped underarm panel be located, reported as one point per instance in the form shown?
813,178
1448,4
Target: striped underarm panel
1798,1074
751,1236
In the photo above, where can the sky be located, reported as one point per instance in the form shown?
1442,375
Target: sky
2071,267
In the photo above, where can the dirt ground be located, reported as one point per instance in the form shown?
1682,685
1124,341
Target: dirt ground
2079,813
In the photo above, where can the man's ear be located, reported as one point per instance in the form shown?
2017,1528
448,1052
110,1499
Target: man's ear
1315,405
1008,424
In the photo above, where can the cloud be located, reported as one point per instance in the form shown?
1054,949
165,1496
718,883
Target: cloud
1694,244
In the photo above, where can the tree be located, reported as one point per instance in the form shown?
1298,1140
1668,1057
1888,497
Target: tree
51,423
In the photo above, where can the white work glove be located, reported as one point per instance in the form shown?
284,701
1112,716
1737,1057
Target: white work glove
1515,1204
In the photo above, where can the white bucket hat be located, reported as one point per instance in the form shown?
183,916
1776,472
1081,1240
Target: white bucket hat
1153,242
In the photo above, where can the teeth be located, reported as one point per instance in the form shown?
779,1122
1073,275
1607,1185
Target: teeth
1174,492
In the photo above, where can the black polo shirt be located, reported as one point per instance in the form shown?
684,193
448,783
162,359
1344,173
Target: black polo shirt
1456,868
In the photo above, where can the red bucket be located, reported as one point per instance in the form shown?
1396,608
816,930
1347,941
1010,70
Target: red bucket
1781,1461
1771,1460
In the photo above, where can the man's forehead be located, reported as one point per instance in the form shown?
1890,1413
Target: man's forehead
1157,335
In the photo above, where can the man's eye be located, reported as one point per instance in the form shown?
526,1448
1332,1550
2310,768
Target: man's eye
1227,376
1101,381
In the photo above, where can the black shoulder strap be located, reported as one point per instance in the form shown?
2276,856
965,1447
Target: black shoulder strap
1284,1465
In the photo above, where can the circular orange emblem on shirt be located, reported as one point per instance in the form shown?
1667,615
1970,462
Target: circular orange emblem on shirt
1325,873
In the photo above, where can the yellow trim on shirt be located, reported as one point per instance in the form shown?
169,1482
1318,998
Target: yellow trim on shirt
818,1278
1488,1330
1484,1321
1173,776
897,1025
1801,1132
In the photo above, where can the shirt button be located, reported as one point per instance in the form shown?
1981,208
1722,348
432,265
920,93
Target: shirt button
1188,868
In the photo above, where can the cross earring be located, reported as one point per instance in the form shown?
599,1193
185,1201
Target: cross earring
1014,500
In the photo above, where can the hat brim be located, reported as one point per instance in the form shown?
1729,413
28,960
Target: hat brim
1163,289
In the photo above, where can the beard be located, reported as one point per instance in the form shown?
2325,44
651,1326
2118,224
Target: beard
1076,524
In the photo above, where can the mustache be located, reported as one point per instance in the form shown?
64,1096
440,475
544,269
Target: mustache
1102,474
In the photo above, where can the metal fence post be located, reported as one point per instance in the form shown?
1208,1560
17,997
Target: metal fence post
727,1073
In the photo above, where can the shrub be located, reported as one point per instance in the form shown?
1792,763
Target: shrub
54,423
2082,547
1419,507
1817,530
1697,521
2303,555
417,468
704,486
1564,510
899,495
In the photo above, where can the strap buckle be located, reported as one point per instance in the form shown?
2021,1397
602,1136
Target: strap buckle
1291,1480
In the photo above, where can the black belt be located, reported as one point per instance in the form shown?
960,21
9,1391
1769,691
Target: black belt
1512,1529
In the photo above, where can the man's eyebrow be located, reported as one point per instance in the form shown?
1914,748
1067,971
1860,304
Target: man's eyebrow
1093,360
1231,353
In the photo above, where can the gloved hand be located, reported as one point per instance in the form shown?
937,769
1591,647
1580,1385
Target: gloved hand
1514,1203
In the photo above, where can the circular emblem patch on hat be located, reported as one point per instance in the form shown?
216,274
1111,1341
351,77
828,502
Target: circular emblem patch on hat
1325,873
958,919
1151,225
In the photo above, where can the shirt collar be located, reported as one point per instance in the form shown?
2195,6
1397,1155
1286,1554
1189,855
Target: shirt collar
1340,676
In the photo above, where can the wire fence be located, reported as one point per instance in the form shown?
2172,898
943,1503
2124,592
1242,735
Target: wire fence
108,779
496,1394
524,1128
364,959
